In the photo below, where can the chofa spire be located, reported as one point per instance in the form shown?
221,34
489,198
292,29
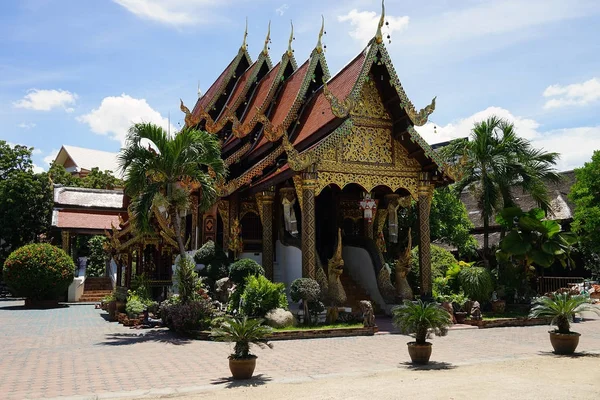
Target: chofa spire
379,35
319,47
289,50
267,40
244,44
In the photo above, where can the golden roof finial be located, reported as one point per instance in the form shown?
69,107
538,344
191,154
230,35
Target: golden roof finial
319,44
379,35
289,50
244,44
267,40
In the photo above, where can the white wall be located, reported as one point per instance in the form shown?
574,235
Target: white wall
76,289
253,256
289,265
358,263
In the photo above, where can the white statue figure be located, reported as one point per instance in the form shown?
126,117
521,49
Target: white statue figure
369,206
393,222
289,215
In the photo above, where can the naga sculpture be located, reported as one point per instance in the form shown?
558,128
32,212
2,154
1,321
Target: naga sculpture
384,282
403,290
190,120
335,268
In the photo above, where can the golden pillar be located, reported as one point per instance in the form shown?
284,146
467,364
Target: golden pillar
265,202
66,241
194,244
425,196
309,248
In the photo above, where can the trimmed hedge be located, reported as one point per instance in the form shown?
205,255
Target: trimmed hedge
241,269
38,271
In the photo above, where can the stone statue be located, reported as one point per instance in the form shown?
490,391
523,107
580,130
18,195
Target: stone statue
335,267
289,214
222,290
448,307
384,282
476,311
403,290
368,316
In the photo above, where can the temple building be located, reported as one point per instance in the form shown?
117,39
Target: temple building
312,155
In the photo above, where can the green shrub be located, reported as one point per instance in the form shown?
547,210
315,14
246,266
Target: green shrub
241,269
38,271
305,289
476,282
261,296
441,260
134,308
186,317
97,259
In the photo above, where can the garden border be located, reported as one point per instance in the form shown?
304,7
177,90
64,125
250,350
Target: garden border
306,334
507,322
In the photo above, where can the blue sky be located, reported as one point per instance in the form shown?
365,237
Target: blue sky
79,72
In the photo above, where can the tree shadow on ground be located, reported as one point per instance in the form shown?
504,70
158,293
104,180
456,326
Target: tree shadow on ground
256,380
141,336
22,307
577,354
431,366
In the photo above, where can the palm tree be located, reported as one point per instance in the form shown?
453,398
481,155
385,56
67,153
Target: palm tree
162,170
493,161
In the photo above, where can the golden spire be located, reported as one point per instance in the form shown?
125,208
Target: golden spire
338,251
319,44
379,35
289,50
267,40
244,44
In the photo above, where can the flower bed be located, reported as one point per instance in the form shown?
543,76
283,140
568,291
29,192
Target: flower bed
507,322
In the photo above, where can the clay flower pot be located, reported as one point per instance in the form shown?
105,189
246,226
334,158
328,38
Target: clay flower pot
564,343
460,317
242,368
419,353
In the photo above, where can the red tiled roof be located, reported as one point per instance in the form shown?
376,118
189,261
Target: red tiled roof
86,219
240,85
319,109
288,95
272,175
261,92
212,91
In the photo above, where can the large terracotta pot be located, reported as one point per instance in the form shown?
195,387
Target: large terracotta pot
419,353
460,317
564,343
242,368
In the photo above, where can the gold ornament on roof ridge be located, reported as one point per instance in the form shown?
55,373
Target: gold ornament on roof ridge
244,44
190,120
420,118
319,47
379,35
338,108
267,40
289,50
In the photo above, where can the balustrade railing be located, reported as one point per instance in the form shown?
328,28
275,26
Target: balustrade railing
547,284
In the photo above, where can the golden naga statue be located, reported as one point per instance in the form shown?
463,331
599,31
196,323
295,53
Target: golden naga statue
403,289
190,120
420,118
335,268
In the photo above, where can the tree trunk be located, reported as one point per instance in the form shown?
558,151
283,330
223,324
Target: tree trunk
486,239
177,228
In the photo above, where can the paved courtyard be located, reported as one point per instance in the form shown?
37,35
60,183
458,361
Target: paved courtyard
74,352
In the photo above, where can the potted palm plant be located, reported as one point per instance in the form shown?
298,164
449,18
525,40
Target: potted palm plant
421,320
562,307
243,332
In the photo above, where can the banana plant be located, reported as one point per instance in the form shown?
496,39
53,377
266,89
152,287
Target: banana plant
532,239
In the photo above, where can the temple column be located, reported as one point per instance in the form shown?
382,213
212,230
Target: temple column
194,244
66,241
209,225
234,209
425,193
266,211
309,248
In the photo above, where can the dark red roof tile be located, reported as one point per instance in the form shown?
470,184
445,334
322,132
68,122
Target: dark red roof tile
86,220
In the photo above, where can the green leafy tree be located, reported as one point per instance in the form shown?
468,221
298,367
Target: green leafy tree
59,176
97,179
161,171
450,223
493,162
586,219
97,259
25,199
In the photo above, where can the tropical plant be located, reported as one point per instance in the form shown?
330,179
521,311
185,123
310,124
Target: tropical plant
97,258
161,171
261,296
421,320
214,260
38,271
476,282
243,332
308,291
493,162
134,307
241,269
441,260
186,317
533,240
561,307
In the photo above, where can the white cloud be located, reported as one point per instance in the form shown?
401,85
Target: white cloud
173,12
281,10
364,24
37,169
115,115
51,156
46,100
575,145
24,125
576,94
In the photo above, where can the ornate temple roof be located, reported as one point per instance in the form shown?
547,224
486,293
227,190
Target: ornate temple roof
291,111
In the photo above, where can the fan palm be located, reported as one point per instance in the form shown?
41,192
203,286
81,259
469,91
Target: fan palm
494,161
421,319
161,171
562,307
243,332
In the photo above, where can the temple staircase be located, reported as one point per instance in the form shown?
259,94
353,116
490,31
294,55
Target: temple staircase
355,293
95,289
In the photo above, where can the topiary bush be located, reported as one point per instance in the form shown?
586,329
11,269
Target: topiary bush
260,296
305,289
241,269
38,271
